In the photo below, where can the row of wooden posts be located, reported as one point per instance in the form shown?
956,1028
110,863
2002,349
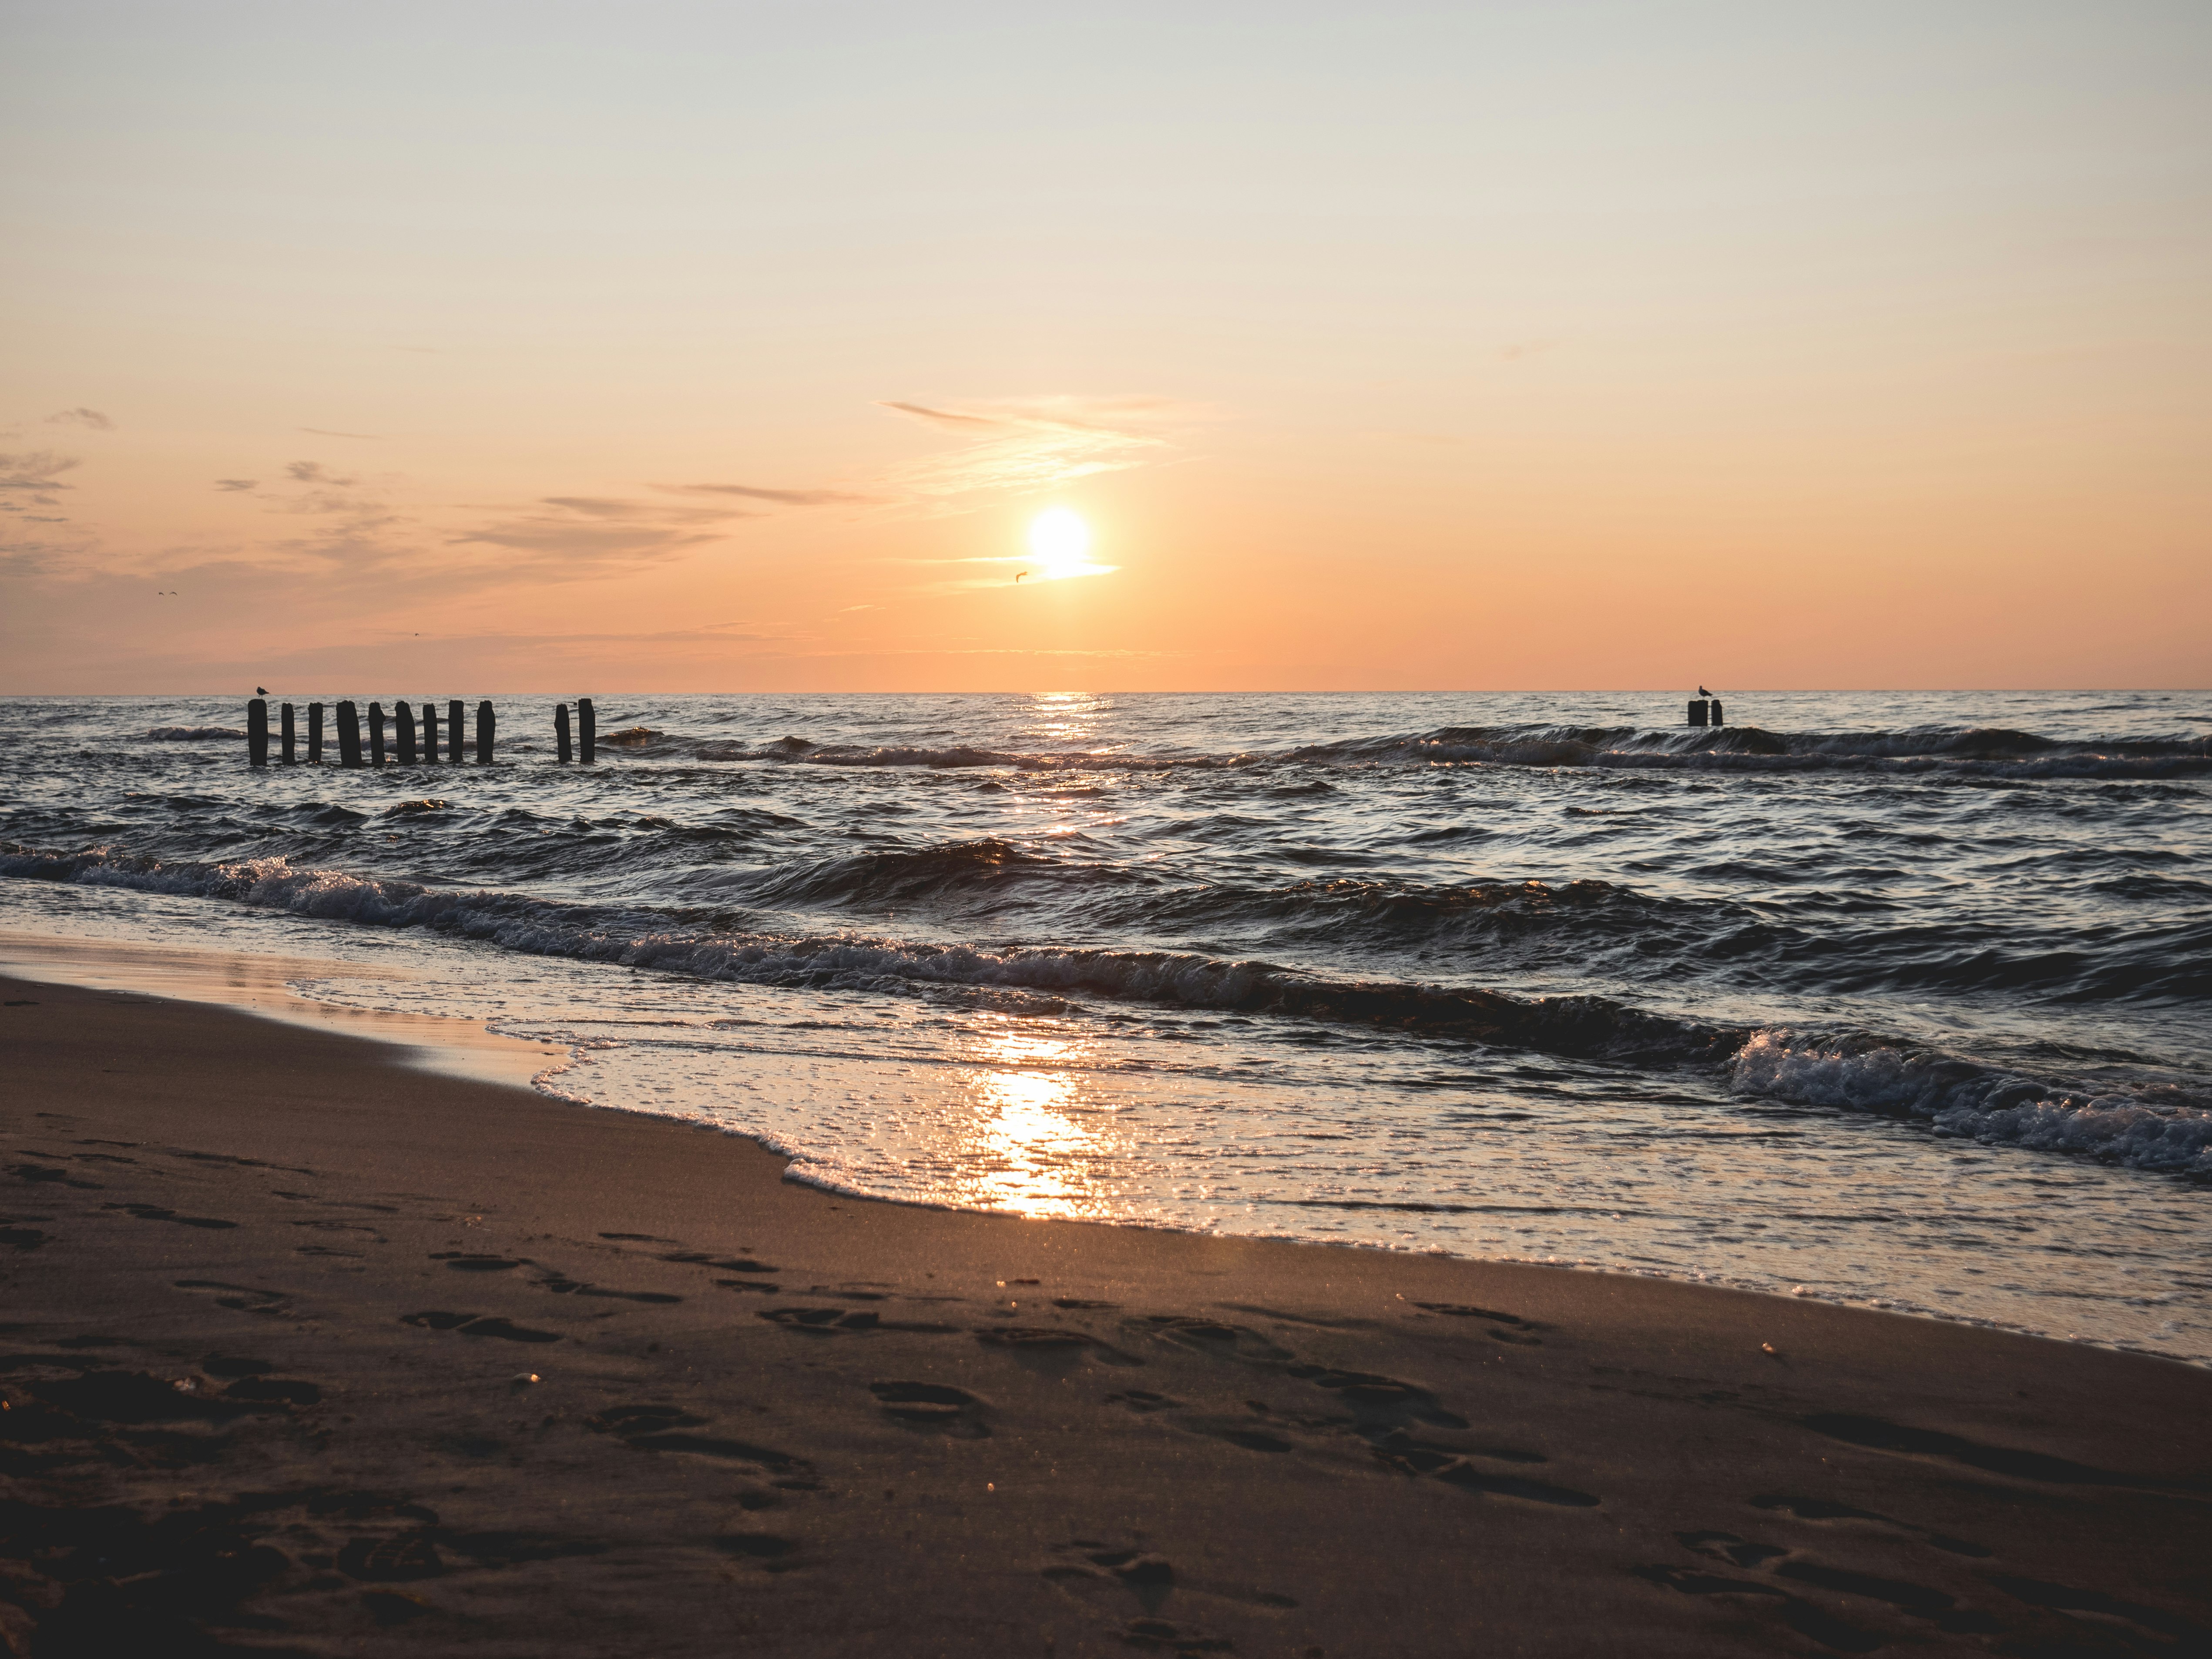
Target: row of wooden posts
409,753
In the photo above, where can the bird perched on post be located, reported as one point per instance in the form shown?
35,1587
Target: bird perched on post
1703,692
260,690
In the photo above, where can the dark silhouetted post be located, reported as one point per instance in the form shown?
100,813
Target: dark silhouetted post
1717,718
314,734
257,731
290,758
560,730
1697,711
587,730
430,733
404,717
376,734
453,731
487,728
348,735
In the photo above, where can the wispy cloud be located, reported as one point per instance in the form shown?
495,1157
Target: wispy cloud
779,498
91,417
1028,446
576,535
315,473
37,470
236,483
324,432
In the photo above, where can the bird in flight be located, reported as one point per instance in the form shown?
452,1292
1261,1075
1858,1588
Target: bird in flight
1018,574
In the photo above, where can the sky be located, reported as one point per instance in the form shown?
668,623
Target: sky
477,346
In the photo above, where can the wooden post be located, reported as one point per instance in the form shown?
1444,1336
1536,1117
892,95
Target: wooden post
1719,718
314,734
486,728
430,733
257,731
348,735
560,730
376,734
291,758
453,731
587,730
1697,711
405,717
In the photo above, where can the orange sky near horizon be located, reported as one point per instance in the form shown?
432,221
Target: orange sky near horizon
693,347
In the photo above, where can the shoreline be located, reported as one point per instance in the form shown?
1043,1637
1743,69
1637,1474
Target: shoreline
254,983
777,1417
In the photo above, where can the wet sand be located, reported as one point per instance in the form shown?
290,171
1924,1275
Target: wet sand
270,1293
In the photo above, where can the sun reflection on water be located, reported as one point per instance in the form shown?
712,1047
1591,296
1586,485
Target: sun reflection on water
1027,1153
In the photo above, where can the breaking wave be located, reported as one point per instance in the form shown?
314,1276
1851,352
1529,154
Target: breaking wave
1991,750
2162,1127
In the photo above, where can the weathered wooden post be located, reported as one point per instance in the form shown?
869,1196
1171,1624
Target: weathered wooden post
453,731
587,730
1697,711
560,730
405,717
290,758
486,728
1719,718
430,733
314,734
376,734
257,731
348,735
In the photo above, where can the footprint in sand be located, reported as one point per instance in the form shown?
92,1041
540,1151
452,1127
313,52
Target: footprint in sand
657,1428
577,1287
771,1550
244,1299
1053,1344
933,1408
1822,1509
475,1325
1504,1327
1214,1338
155,1212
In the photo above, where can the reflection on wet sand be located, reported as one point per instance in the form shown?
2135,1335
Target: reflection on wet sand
271,986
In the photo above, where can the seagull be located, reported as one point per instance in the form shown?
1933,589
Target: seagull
1703,692
260,690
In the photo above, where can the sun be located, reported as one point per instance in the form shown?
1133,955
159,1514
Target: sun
1060,539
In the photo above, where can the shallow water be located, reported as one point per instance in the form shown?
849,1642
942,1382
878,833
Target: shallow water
1897,998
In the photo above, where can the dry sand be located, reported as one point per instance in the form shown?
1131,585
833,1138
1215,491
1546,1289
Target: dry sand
269,1294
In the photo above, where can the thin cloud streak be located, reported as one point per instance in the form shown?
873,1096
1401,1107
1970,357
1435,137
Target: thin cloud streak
37,470
781,497
1028,446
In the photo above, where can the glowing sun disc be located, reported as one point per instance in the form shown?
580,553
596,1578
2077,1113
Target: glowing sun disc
1058,537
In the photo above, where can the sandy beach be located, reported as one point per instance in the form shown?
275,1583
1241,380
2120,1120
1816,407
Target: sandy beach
311,1350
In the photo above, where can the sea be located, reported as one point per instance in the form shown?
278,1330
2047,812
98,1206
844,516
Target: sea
1897,1000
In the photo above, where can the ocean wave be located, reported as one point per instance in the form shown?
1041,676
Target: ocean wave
1750,748
1966,750
2160,1127
2163,1127
194,733
1581,1026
